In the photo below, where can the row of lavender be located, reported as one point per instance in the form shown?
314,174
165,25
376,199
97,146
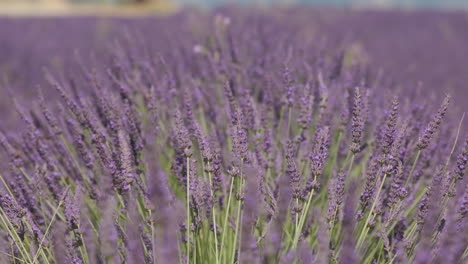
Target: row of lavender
407,47
247,137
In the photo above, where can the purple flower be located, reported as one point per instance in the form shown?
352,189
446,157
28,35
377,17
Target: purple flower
51,119
433,126
291,169
319,153
462,160
390,127
289,87
357,121
72,210
239,138
336,194
348,254
370,182
305,108
79,143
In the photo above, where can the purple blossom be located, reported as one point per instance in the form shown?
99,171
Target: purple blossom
357,121
433,126
291,169
390,127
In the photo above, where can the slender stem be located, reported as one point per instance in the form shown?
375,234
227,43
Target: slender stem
289,120
12,256
14,235
303,218
465,253
412,168
153,251
394,210
213,214
297,215
454,143
351,163
46,232
337,147
188,210
6,187
280,122
83,250
236,232
195,249
239,216
13,197
178,247
226,217
452,182
411,239
374,203
332,224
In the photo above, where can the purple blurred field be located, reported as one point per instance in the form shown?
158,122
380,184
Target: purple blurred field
230,136
408,46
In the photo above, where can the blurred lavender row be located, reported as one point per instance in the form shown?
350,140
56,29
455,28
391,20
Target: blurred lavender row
408,46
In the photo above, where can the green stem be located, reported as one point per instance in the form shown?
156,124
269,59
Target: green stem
226,217
346,159
188,210
214,221
280,122
454,143
7,188
452,183
289,120
374,203
413,167
195,249
465,253
12,256
233,257
19,244
298,231
332,225
239,216
83,250
297,215
351,163
46,232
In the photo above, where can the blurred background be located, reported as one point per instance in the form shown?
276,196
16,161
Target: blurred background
135,7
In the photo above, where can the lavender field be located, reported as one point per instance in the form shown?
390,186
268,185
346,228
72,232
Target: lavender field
282,135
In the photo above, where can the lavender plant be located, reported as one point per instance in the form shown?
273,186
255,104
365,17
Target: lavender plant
236,138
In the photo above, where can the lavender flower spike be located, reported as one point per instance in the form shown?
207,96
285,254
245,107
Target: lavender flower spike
357,122
433,126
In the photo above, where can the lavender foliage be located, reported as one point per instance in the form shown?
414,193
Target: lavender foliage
233,136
